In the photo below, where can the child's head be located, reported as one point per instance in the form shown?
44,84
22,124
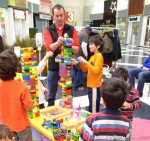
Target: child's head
121,73
95,43
114,93
9,65
5,134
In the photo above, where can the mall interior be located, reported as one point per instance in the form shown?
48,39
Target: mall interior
131,18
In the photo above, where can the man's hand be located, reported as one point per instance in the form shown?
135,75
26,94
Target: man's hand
60,40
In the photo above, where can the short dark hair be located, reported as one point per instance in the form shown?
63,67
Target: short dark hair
5,132
57,6
9,65
97,40
121,73
114,93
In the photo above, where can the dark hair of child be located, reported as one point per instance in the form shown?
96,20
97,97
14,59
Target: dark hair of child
98,41
9,65
5,132
121,73
114,93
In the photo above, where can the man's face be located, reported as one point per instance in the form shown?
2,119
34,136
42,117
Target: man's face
58,17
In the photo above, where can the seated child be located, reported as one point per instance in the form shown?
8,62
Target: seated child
15,99
109,124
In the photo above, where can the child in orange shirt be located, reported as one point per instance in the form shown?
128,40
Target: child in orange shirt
94,69
15,99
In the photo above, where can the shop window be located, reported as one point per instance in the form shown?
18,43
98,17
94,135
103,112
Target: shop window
147,36
2,25
122,25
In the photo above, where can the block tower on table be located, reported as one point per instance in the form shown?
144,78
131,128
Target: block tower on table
29,74
67,61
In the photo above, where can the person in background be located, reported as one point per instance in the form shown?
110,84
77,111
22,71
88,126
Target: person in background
142,74
15,99
109,124
5,133
54,38
78,73
132,102
94,69
1,44
41,88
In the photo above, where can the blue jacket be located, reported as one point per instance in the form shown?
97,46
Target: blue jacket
147,63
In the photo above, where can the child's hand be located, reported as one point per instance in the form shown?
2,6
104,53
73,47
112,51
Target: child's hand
48,54
45,89
126,105
81,59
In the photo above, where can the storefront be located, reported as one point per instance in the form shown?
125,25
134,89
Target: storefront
122,21
134,30
3,6
147,25
17,23
2,23
42,19
147,35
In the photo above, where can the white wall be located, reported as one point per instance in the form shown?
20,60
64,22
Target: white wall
34,1
10,30
30,19
75,6
97,6
122,4
147,2
92,7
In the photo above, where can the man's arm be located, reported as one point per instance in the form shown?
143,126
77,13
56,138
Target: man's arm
50,46
55,45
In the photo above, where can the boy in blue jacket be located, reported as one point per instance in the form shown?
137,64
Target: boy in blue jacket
142,74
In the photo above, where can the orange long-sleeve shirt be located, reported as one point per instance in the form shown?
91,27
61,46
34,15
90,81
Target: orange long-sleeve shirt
94,67
14,101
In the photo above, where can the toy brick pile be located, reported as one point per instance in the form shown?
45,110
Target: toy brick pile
67,61
29,74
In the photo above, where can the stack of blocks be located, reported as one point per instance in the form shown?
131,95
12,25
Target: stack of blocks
67,61
29,73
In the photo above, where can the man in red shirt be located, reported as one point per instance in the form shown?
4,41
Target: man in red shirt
54,38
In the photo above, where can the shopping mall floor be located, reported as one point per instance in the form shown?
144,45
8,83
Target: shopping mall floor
131,57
